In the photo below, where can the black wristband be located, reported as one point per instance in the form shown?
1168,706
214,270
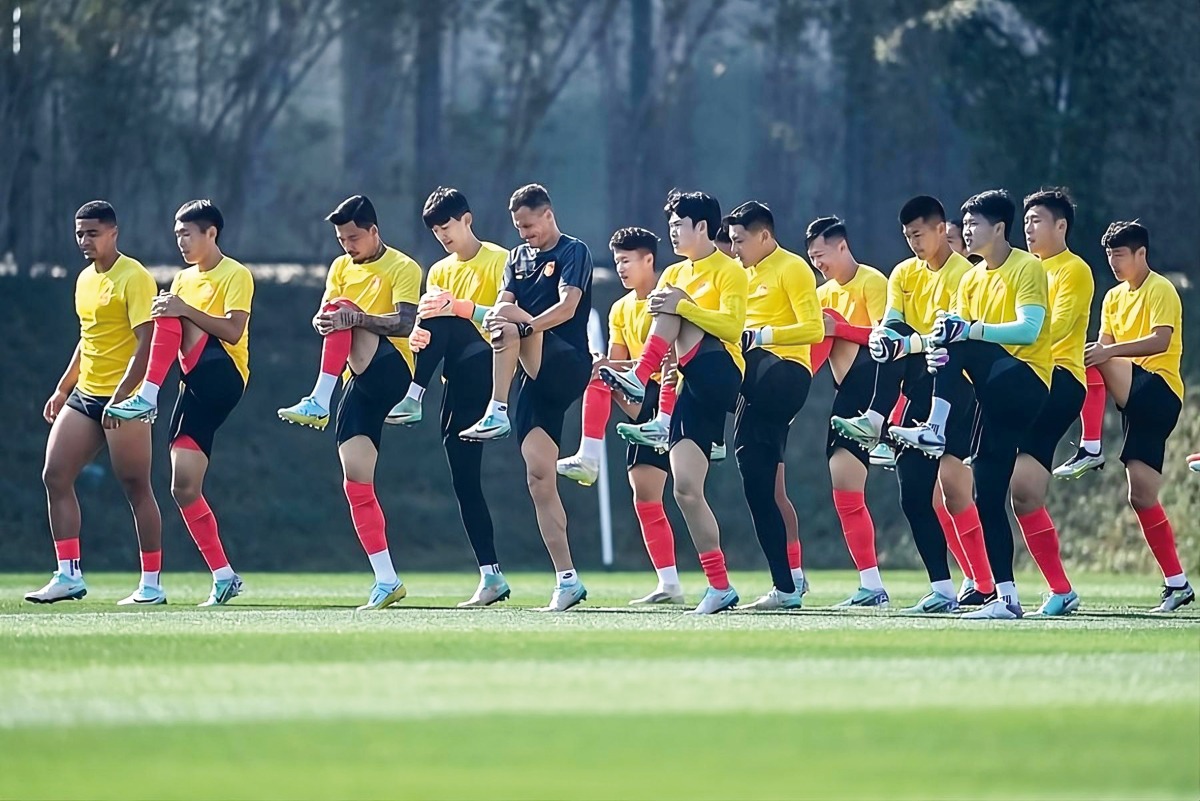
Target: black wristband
524,330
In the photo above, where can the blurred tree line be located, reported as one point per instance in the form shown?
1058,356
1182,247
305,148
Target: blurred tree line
280,109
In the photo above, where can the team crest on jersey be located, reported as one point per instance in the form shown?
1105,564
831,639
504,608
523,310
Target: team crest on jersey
548,270
106,292
376,282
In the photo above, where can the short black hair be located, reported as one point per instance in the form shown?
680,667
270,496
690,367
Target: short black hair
956,222
1056,200
827,228
926,208
357,209
697,207
723,235
995,206
530,196
751,215
204,213
99,210
444,205
634,239
1126,234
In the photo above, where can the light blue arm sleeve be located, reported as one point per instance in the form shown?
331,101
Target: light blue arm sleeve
1023,331
893,314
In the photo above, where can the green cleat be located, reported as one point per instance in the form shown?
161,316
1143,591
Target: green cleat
407,412
865,599
384,595
933,604
492,426
1058,605
306,413
134,408
860,429
883,455
652,434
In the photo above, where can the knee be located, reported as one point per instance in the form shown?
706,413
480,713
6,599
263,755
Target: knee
185,492
688,494
1142,497
57,478
1024,502
135,485
540,480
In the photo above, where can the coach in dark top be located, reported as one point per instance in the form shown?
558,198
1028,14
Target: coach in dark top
539,336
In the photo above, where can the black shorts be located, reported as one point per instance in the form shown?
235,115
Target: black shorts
963,425
207,394
640,454
773,391
466,392
542,402
711,382
1058,413
1149,417
85,404
852,397
369,396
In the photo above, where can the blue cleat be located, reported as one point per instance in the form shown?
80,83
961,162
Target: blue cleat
1058,605
59,588
133,408
866,599
306,413
714,601
224,591
407,412
651,434
384,595
492,426
933,604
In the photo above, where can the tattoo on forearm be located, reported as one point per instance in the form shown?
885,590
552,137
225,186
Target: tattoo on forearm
399,324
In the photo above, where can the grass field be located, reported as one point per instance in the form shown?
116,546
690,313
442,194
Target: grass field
288,693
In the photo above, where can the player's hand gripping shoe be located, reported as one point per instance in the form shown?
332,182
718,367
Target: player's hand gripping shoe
133,408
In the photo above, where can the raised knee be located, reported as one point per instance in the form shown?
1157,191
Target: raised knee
1142,498
184,493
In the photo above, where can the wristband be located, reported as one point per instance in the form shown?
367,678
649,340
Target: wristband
479,313
524,330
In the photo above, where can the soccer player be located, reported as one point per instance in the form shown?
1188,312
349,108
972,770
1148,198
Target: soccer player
783,319
366,314
634,251
723,242
539,338
699,309
857,296
462,288
112,301
1049,215
203,323
1138,354
917,288
996,335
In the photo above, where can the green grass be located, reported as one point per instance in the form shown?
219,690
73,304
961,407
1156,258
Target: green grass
289,693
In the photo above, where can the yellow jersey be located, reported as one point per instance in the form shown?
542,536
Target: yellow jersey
783,297
718,288
629,324
919,292
479,279
228,287
376,287
1071,287
993,295
1135,313
109,306
862,300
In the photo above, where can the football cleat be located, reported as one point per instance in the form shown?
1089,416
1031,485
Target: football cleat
1175,597
145,596
864,598
133,408
651,434
970,596
405,413
924,437
776,600
60,588
565,596
492,426
306,413
1079,464
624,381
384,595
883,455
999,609
492,588
224,591
859,429
579,468
714,601
665,594
1058,605
933,604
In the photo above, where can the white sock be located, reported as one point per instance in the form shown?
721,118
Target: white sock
150,578
567,577
223,573
323,390
877,419
498,409
149,392
489,570
69,568
870,579
1007,590
667,576
415,391
591,449
381,563
798,577
939,414
1170,581
944,588
1092,446
663,419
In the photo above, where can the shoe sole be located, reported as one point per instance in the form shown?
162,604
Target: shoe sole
671,600
75,596
616,385
1073,476
391,421
584,481
728,608
484,436
305,423
935,453
155,602
1158,610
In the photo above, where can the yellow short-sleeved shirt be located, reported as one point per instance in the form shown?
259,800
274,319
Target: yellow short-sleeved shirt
783,297
478,279
228,287
993,295
919,293
629,322
1071,287
1135,313
862,300
718,288
376,287
109,306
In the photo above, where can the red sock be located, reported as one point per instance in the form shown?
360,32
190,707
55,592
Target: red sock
970,534
793,552
684,358
165,342
597,406
656,531
652,357
1156,528
952,540
897,416
667,397
202,525
1041,539
1094,402
857,527
713,563
335,346
67,549
151,561
819,353
367,515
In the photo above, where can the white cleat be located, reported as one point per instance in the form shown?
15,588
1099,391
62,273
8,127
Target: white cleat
775,601
145,596
61,587
566,596
999,609
492,588
714,601
665,595
580,469
924,437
